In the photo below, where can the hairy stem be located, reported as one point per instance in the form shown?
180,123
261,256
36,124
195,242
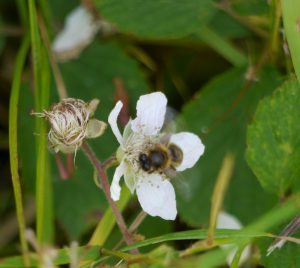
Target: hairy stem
106,188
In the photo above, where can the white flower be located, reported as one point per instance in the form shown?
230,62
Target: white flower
227,221
81,26
154,191
79,31
71,123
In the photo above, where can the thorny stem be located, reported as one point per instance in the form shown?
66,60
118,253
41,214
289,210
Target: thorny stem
105,185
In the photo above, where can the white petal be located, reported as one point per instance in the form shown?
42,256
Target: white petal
112,120
79,30
157,197
227,221
115,188
191,146
151,110
244,256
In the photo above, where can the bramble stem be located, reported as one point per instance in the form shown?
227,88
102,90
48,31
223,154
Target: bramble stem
106,188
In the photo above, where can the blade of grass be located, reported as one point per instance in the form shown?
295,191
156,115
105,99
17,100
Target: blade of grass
46,13
85,253
88,254
36,54
42,76
44,183
13,143
291,22
22,9
237,256
219,193
197,234
222,46
256,230
275,8
43,196
92,253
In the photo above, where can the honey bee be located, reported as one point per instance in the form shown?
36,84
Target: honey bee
162,158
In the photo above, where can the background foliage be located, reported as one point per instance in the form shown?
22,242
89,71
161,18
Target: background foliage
229,74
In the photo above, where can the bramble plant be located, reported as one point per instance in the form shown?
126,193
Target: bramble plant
194,103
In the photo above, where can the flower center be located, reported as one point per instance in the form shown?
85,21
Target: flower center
135,146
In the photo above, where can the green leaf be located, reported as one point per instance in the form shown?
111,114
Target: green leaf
273,139
228,27
60,9
250,7
91,76
222,46
156,19
219,115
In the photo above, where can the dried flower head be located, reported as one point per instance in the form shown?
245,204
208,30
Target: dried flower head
71,123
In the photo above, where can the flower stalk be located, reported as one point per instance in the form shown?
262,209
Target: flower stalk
106,188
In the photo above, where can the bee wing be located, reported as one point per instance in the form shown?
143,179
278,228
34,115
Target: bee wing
171,124
182,186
